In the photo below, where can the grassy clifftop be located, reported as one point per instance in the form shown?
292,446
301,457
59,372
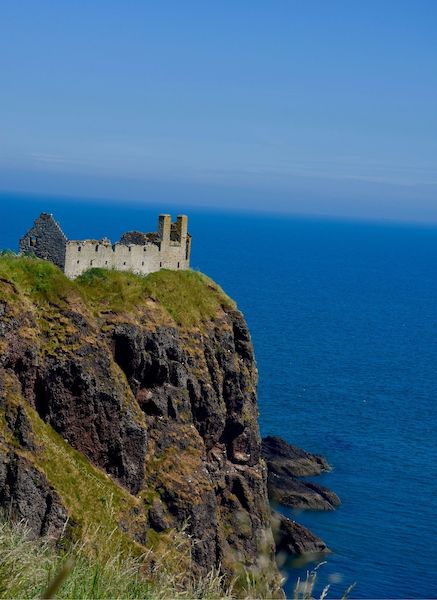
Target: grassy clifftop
189,297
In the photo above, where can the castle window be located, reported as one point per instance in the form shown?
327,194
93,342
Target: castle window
160,264
79,248
142,263
124,263
33,240
91,262
97,248
130,248
106,262
78,261
178,265
144,248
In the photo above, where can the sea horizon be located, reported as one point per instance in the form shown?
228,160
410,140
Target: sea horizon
173,207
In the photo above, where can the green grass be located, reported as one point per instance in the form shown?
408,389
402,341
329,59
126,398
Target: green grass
30,568
189,298
39,280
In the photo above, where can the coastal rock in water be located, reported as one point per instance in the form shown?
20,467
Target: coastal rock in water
284,464
281,456
303,495
292,538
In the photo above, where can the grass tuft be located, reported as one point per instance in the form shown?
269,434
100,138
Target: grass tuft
32,568
39,280
189,297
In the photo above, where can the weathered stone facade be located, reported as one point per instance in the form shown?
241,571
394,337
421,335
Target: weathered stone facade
141,253
45,239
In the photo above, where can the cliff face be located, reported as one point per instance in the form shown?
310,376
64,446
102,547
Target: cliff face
132,403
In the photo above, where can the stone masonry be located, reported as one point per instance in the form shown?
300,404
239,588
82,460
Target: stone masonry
140,253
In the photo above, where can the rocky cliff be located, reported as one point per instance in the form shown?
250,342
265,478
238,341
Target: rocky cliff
129,404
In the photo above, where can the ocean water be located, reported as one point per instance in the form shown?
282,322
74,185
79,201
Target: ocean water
343,317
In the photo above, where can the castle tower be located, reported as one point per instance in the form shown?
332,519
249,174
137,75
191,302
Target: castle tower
182,228
164,228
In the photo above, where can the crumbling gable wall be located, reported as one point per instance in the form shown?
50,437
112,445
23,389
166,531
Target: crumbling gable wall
45,239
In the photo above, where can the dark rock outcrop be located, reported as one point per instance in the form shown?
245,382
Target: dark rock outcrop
282,457
285,464
210,423
26,495
83,400
303,495
294,539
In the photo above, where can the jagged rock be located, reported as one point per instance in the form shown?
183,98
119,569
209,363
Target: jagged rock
292,538
281,456
80,397
284,463
26,495
298,494
158,518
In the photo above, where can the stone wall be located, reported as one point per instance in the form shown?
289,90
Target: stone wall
140,259
45,240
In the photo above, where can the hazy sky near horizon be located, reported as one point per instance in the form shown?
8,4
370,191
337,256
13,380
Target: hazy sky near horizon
315,106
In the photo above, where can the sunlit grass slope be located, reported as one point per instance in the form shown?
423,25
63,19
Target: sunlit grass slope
189,297
32,568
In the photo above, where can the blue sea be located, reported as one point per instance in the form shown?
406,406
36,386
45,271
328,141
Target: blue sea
343,317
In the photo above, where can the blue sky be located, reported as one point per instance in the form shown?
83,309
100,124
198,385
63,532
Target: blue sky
304,106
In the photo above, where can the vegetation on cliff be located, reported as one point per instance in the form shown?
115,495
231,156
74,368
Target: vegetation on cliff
189,297
31,568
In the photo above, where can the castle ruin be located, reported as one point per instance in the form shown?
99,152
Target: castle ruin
140,253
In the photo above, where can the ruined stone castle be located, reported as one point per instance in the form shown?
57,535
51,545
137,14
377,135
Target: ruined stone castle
141,253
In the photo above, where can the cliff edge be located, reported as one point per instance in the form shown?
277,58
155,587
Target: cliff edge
128,405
